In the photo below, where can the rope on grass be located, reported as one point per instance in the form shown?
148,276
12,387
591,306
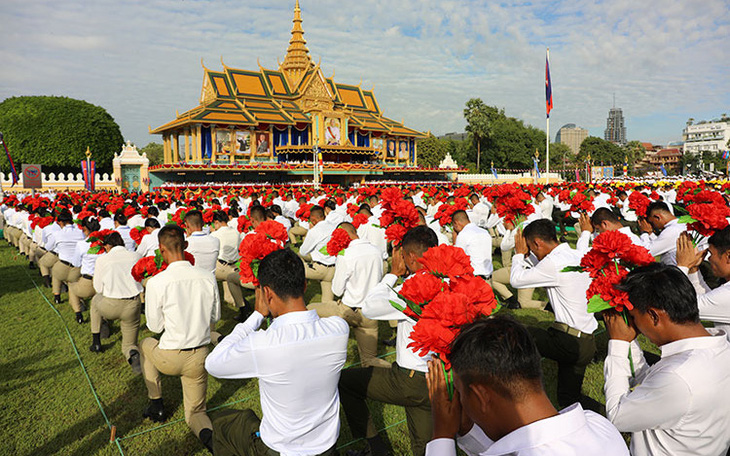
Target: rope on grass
112,428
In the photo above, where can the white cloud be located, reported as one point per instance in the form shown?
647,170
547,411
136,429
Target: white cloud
665,60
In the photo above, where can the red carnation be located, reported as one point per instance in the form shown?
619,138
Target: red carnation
422,287
339,241
359,220
447,261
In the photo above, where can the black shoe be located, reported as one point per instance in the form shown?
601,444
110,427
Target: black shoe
57,299
64,288
390,342
155,411
96,348
31,265
206,436
243,312
104,331
134,362
512,302
79,318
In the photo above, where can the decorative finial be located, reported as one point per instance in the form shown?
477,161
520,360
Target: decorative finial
88,152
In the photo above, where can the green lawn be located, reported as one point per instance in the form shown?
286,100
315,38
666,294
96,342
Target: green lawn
48,406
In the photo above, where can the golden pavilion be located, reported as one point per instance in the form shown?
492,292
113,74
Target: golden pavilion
282,121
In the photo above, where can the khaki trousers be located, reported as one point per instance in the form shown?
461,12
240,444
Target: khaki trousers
12,234
295,231
500,280
36,253
190,366
24,244
365,330
324,274
46,263
232,292
83,288
60,273
127,311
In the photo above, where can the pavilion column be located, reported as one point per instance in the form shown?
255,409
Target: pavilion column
252,138
214,142
199,143
187,145
193,145
233,147
415,152
166,149
288,143
271,142
175,148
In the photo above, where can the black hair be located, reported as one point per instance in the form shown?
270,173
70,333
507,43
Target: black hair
365,210
460,215
657,206
419,239
120,218
499,352
103,213
603,214
77,208
114,239
330,204
257,213
276,209
153,211
151,223
164,205
283,272
316,211
233,211
662,287
91,224
194,219
364,206
542,229
220,216
721,240
65,217
172,237
621,193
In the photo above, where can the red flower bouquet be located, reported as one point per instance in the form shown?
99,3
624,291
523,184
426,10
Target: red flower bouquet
244,224
339,241
638,202
707,212
268,237
303,211
138,233
441,298
399,215
152,265
97,241
359,220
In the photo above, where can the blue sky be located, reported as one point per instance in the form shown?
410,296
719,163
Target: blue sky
666,61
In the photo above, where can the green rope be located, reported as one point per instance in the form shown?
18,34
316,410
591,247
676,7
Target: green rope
379,431
78,357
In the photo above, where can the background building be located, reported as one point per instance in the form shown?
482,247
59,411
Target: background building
615,129
571,136
706,136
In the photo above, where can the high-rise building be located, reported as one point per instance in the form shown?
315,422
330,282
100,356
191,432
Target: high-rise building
571,136
706,136
615,129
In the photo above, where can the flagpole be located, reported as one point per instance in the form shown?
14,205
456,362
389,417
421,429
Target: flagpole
547,137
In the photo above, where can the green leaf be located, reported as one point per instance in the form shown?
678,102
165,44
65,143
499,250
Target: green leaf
686,219
158,259
397,306
597,304
572,269
323,251
94,250
255,267
679,209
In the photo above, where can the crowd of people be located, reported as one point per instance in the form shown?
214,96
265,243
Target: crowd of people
176,256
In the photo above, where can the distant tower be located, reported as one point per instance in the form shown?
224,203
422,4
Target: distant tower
615,129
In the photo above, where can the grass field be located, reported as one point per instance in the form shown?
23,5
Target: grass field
48,406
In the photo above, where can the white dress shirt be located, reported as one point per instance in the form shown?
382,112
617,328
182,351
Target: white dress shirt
107,223
357,272
297,360
665,245
586,237
183,301
46,233
113,274
125,232
149,243
436,228
204,249
573,432
377,306
477,244
83,259
714,304
566,290
546,208
680,405
228,239
63,242
374,235
317,238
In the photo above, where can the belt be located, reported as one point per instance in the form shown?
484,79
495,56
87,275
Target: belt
562,327
485,277
124,299
325,265
225,263
411,372
191,349
87,276
66,263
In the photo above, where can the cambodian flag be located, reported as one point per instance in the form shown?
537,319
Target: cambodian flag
726,155
548,85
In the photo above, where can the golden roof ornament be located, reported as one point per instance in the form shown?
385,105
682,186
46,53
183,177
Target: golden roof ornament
297,60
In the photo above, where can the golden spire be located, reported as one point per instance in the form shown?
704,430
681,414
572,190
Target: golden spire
297,60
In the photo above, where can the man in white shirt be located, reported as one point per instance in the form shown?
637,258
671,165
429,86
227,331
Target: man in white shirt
149,242
81,285
660,220
357,271
713,304
121,227
680,405
545,204
499,405
602,220
479,211
569,340
404,383
297,361
63,243
226,270
46,258
204,247
117,297
475,242
183,302
322,267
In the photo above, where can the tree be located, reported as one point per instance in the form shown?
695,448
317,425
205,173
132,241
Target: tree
477,124
156,153
55,132
634,152
560,156
600,151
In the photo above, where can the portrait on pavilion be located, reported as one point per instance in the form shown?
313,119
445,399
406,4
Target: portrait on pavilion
243,143
332,131
263,144
403,150
223,141
390,153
